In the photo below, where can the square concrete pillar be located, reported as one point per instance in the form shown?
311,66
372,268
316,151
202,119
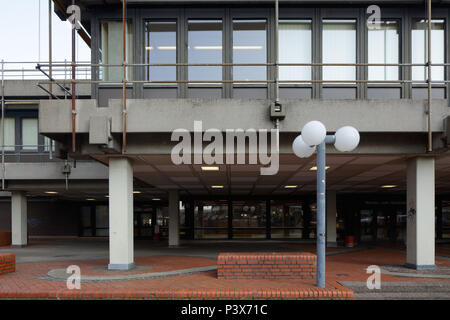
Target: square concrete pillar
331,218
420,213
121,254
174,218
19,228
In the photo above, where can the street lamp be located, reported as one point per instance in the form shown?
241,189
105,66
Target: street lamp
314,137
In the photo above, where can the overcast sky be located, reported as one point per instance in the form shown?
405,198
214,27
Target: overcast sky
20,31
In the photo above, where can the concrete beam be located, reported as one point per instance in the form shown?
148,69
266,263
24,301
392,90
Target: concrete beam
420,227
19,226
121,246
166,115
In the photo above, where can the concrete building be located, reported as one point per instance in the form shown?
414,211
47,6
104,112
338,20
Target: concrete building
393,187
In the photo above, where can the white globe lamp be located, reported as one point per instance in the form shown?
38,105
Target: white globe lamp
347,139
314,133
301,149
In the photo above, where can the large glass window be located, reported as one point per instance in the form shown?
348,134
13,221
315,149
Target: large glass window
10,134
161,48
383,48
29,134
205,46
249,219
111,50
211,219
419,48
286,219
339,46
249,46
295,46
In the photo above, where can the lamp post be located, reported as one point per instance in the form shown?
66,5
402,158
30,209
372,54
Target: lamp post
314,137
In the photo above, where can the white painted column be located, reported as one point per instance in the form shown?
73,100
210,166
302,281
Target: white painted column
121,248
420,209
174,218
331,218
19,219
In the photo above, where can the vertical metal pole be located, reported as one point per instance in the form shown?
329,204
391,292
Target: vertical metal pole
3,125
124,84
321,215
430,134
50,68
73,81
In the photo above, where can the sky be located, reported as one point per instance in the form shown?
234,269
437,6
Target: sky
21,28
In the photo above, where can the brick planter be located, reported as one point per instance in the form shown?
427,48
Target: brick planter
7,263
291,265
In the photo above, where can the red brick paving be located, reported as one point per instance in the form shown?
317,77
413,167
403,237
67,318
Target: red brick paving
25,282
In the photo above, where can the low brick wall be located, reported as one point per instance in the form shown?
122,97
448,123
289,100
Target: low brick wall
5,238
7,262
291,265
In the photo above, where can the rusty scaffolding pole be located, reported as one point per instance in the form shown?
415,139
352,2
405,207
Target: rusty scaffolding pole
124,81
73,79
430,134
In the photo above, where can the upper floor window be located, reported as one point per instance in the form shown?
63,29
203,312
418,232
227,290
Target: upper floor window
205,46
419,35
295,46
339,46
161,48
10,133
30,134
249,46
111,50
383,48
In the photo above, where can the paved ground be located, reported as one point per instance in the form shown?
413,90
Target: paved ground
345,267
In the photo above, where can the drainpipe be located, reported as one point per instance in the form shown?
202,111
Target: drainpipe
50,67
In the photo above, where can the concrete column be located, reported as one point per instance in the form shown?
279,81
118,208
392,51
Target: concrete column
420,213
19,219
121,254
331,219
174,218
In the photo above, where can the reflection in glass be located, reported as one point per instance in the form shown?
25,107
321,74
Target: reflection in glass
419,50
249,46
286,220
249,219
211,220
205,46
160,47
383,47
295,47
10,133
339,46
29,134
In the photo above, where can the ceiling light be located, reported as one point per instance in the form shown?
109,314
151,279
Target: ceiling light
156,199
137,192
107,196
388,186
51,192
210,168
167,48
208,47
217,187
290,187
247,47
315,168
90,199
